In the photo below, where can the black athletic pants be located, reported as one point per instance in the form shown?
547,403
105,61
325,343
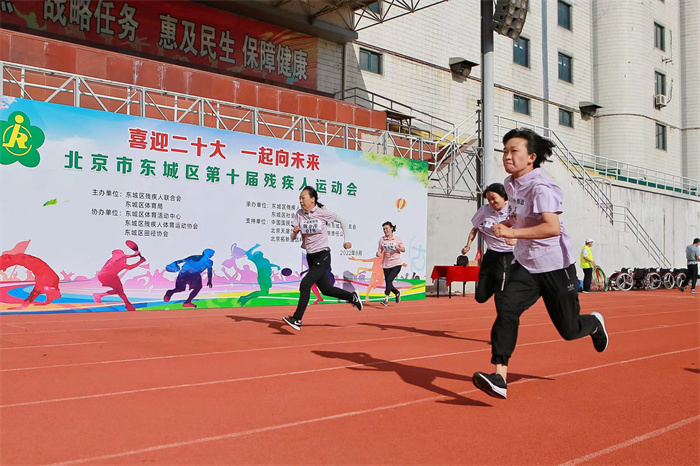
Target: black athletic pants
492,274
319,263
389,276
559,291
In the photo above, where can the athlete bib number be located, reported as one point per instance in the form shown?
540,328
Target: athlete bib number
389,247
310,227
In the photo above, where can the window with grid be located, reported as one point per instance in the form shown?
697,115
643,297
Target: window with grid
565,68
564,15
521,105
521,51
566,118
371,61
660,83
660,136
659,37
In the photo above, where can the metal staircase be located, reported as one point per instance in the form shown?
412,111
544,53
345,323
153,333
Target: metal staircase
616,214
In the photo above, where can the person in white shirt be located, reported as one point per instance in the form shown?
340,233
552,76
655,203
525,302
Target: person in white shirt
312,222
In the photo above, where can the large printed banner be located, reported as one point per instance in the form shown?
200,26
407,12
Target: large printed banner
181,30
102,211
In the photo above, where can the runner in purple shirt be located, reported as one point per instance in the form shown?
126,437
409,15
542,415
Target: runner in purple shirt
496,262
312,222
544,263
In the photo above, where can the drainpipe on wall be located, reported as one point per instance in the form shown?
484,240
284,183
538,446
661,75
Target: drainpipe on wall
545,66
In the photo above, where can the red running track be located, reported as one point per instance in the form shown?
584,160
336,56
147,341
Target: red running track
387,386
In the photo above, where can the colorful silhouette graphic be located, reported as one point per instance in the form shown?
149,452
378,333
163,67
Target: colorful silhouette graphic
191,275
45,279
109,275
377,273
264,267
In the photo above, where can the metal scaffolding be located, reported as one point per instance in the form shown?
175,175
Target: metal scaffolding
452,157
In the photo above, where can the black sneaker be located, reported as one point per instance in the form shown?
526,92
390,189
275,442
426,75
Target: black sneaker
356,301
599,335
292,322
385,301
682,288
491,384
398,296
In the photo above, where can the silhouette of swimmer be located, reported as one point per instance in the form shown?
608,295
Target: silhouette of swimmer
191,275
45,279
264,268
109,276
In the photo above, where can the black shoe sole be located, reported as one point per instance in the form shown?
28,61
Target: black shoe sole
487,387
294,326
601,327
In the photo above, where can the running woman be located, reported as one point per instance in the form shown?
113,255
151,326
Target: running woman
391,247
497,260
312,222
544,262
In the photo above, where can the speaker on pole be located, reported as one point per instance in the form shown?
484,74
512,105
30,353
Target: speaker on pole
509,17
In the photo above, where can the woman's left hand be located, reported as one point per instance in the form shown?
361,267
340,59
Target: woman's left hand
347,245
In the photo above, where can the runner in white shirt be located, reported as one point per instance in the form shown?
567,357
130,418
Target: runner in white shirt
312,222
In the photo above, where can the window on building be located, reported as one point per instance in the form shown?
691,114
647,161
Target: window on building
521,105
521,51
376,7
659,37
565,70
564,15
370,61
660,83
566,118
660,136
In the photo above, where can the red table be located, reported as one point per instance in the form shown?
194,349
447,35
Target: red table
454,273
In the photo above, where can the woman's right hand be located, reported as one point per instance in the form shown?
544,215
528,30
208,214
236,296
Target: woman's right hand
296,229
465,250
379,254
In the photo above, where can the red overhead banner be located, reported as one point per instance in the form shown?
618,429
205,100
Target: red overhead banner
182,30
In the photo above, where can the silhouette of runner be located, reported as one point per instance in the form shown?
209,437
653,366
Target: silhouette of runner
264,268
191,275
109,276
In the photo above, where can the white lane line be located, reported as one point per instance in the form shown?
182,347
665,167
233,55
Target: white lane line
231,435
285,374
250,350
632,441
52,346
329,308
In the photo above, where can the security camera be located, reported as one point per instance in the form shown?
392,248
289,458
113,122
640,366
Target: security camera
461,66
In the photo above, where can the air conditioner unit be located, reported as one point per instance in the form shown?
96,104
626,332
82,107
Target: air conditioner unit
660,100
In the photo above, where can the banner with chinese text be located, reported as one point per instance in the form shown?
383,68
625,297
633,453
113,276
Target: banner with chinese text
103,211
184,31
